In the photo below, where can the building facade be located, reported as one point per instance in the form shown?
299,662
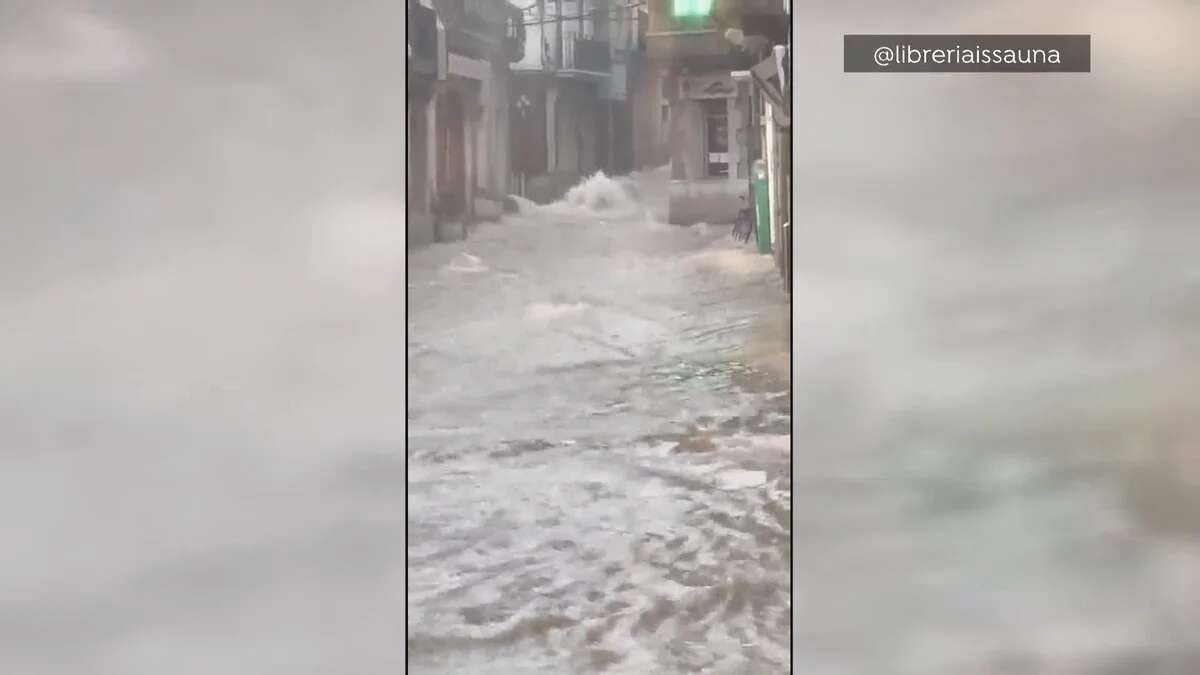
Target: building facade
571,96
693,112
458,133
426,57
772,105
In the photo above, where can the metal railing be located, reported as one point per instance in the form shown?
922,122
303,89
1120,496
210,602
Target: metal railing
483,17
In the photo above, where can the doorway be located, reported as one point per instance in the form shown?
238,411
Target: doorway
451,198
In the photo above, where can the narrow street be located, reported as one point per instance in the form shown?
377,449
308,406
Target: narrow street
598,445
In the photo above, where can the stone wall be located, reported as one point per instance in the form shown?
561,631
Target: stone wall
708,201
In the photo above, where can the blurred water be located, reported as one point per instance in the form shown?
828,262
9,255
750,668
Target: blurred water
201,313
598,457
996,454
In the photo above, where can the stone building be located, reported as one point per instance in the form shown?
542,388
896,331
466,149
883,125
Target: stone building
458,160
692,112
426,60
571,97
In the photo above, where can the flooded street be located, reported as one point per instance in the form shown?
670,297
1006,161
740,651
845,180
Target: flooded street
598,446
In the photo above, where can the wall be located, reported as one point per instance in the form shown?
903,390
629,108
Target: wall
528,137
418,173
492,134
694,196
771,154
740,129
650,150
714,202
687,140
577,120
688,121
534,35
484,88
502,116
453,149
623,135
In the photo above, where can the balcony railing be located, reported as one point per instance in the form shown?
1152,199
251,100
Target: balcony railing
514,34
482,19
477,12
479,15
586,54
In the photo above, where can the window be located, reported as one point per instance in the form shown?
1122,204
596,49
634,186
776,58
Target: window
716,138
577,18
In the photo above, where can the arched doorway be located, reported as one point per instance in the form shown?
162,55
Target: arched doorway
451,156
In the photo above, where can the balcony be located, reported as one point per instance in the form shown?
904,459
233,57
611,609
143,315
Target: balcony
476,29
585,57
480,17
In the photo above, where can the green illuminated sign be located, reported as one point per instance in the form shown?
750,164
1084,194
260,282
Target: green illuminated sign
683,8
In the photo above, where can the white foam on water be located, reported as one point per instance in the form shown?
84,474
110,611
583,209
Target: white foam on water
550,310
721,257
600,194
465,263
524,206
740,479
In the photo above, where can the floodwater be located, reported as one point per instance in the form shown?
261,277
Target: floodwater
599,419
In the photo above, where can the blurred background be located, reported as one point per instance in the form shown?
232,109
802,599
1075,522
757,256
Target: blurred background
200,326
997,463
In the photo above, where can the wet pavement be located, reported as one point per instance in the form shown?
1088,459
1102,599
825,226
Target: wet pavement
598,446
